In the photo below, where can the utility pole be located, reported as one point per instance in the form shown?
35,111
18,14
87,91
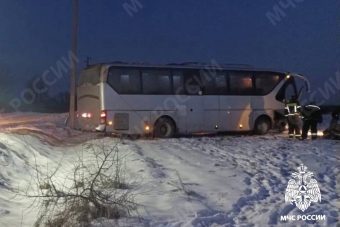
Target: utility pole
73,71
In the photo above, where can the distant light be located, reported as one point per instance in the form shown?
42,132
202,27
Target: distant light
216,126
241,126
110,123
288,76
147,128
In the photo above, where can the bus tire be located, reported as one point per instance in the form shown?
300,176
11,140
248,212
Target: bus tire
262,125
281,125
164,128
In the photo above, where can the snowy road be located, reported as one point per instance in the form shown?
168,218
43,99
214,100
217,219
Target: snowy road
12,120
206,181
240,180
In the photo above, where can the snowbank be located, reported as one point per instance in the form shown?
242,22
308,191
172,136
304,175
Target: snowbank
206,181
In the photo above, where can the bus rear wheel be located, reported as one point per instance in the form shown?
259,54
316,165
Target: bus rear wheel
262,126
164,128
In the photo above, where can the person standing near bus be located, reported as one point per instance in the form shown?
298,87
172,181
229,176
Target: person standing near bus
311,116
334,127
293,117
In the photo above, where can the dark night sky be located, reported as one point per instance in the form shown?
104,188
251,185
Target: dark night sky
35,34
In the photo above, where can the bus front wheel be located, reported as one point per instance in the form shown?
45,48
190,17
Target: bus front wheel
262,126
164,128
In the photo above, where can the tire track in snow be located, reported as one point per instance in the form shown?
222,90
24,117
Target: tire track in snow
156,169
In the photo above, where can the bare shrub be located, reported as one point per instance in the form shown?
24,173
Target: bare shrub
95,188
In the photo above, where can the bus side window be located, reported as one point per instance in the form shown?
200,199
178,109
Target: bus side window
208,81
241,83
156,82
124,81
178,83
265,82
221,84
214,82
192,82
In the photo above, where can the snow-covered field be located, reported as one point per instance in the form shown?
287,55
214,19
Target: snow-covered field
199,181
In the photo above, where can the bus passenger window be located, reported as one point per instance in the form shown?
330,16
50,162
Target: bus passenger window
214,83
241,83
192,83
265,82
208,80
221,84
124,81
156,82
178,83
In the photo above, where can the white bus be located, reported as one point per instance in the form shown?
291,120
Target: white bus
167,100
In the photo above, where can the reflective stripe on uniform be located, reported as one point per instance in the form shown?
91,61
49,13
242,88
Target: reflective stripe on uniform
313,106
292,108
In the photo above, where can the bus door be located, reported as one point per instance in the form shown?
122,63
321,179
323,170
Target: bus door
287,91
194,103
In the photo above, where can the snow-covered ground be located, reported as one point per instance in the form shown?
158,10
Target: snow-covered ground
199,181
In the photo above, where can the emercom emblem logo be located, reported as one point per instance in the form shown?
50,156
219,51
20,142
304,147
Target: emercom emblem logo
302,189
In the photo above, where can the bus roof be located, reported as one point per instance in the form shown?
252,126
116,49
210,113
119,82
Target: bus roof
188,65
